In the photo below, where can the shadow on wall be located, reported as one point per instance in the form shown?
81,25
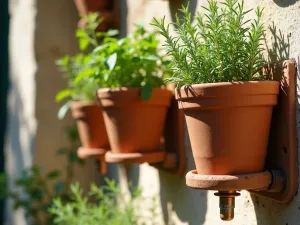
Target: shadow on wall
18,153
189,205
269,211
279,49
174,5
124,16
285,3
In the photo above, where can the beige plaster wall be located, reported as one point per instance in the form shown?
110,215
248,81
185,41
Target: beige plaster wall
41,31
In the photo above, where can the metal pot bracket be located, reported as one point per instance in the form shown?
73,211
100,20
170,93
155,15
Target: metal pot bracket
279,181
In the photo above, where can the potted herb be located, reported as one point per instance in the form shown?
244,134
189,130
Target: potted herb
132,97
227,106
81,88
106,205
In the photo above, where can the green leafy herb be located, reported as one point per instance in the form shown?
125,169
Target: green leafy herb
222,46
133,62
36,185
106,205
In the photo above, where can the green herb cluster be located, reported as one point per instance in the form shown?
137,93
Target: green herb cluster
105,206
221,46
106,61
36,185
74,66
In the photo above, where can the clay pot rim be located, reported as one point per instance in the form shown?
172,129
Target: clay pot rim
83,103
183,91
123,97
127,89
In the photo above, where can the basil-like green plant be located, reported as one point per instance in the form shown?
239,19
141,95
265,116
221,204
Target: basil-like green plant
106,206
78,69
132,62
222,45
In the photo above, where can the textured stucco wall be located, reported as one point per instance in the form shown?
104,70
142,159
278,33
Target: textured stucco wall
180,204
40,32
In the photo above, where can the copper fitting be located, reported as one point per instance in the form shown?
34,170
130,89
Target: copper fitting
227,204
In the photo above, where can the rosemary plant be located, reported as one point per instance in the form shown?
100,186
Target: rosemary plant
221,46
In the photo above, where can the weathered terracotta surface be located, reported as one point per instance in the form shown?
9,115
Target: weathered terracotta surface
135,158
248,181
228,124
90,124
134,125
108,10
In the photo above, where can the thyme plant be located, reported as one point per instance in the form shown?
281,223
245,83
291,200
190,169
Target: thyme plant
106,206
221,46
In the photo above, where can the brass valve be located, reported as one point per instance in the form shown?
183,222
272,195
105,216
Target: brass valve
227,204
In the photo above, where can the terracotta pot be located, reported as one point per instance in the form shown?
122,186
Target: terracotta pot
108,17
228,124
103,7
86,6
134,125
90,124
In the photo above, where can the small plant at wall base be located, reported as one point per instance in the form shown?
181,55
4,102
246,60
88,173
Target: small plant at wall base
38,194
215,62
106,206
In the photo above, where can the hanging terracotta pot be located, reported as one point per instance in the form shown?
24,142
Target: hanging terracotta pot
228,124
90,124
86,6
106,9
134,125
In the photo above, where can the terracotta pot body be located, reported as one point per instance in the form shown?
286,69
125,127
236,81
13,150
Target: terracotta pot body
228,124
104,7
134,125
90,124
85,6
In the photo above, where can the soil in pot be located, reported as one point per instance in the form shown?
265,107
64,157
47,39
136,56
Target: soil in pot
228,124
90,124
134,125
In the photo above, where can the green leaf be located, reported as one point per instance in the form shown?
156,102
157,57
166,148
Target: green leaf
83,43
112,32
85,74
146,91
63,110
36,194
53,174
151,58
136,59
111,61
100,48
36,170
63,94
80,33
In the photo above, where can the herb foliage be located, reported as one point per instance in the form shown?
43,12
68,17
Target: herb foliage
222,45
